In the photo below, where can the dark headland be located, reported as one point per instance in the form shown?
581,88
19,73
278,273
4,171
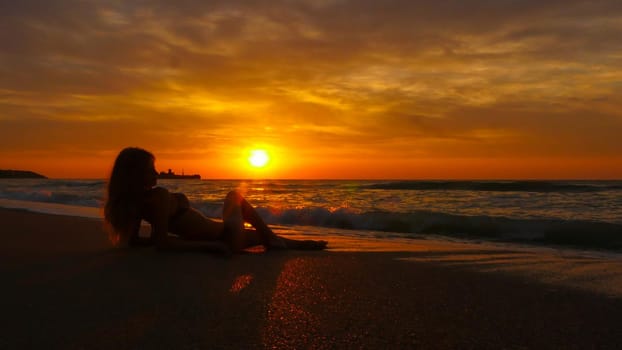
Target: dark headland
20,174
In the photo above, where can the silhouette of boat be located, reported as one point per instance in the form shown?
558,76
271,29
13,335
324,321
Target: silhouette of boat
171,175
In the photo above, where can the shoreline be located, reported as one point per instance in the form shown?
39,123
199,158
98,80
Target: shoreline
51,208
66,287
562,239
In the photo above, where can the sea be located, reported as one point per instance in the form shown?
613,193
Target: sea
583,214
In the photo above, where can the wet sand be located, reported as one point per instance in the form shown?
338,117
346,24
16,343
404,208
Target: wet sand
64,287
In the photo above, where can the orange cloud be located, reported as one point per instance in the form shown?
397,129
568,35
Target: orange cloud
334,85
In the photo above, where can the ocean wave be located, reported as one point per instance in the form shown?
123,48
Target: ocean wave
581,216
582,233
500,186
71,192
59,197
47,183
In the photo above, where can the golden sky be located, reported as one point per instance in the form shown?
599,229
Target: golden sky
331,89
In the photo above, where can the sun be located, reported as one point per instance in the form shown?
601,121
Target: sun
259,158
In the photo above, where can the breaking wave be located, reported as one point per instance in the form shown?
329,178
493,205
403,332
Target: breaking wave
583,233
500,186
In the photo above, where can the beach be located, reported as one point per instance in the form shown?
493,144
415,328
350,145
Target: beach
66,287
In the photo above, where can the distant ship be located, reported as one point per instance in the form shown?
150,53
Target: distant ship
171,175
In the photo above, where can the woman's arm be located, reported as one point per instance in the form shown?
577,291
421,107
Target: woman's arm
135,239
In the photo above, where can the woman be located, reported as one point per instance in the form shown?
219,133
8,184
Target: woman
133,196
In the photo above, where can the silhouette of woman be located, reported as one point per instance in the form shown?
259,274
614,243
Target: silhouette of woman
132,196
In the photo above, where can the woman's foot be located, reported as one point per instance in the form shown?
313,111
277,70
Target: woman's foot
307,244
282,243
312,245
277,243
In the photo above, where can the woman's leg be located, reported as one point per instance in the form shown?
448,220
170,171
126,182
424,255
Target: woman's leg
237,210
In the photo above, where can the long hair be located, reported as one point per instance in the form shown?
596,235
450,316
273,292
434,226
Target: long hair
126,186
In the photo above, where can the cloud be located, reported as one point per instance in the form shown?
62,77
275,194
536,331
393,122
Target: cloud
399,78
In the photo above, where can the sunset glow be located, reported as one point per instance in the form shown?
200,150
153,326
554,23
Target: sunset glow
338,89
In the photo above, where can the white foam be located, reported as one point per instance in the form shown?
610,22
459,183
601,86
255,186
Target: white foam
52,208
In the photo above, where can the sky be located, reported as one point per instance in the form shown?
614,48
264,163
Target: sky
404,89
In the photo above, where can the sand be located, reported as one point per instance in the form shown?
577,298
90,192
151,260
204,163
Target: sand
65,287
